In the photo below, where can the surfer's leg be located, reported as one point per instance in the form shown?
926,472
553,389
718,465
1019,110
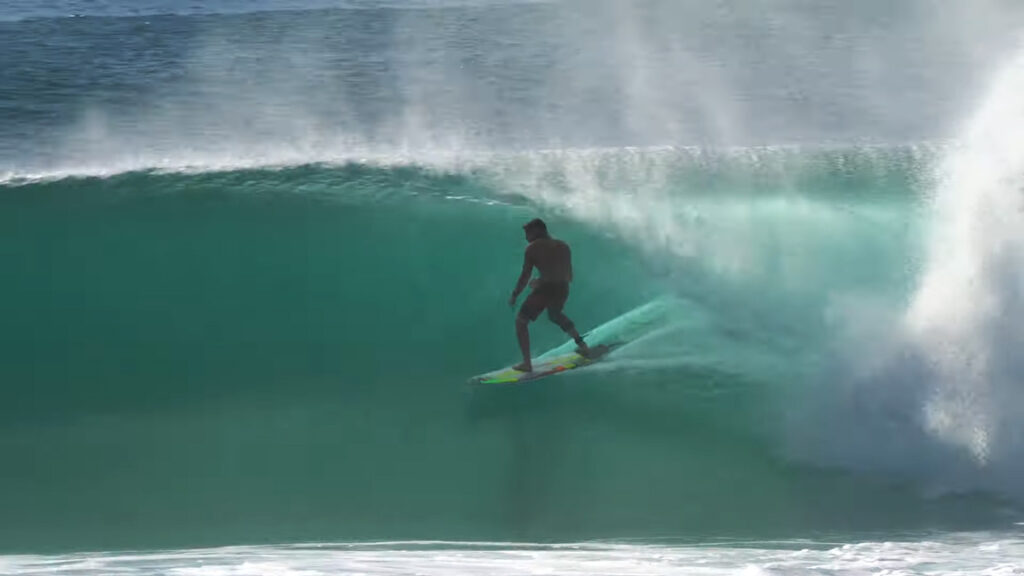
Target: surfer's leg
559,296
528,312
523,335
558,317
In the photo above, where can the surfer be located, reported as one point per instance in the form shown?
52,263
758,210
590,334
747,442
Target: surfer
553,260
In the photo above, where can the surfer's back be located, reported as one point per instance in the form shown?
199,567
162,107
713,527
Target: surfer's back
553,259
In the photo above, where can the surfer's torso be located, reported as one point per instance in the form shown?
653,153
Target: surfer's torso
553,260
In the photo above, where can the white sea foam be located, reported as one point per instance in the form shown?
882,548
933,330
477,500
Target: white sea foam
979,554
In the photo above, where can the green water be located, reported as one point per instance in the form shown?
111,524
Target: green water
280,355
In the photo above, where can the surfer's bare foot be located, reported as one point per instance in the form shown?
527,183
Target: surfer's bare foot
523,367
582,349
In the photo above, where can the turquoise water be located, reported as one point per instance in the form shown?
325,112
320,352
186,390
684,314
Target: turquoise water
279,355
252,254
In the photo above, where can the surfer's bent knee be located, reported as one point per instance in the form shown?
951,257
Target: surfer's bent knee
561,320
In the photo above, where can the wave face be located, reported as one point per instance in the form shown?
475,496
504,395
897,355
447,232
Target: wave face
262,355
249,269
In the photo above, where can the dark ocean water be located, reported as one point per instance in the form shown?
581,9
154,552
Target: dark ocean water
252,252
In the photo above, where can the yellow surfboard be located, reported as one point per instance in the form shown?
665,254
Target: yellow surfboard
543,367
602,340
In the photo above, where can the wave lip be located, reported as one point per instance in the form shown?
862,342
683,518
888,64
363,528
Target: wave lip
536,169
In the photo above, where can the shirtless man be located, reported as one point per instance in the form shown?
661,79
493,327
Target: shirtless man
553,259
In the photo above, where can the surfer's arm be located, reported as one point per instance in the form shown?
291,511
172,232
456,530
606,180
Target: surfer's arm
524,277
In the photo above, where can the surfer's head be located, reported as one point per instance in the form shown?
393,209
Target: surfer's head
535,229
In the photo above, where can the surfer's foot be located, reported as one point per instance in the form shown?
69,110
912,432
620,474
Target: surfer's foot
582,349
523,367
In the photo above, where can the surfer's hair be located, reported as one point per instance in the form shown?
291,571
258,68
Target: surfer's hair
536,225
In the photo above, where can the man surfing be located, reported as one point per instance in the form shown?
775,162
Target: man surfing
553,260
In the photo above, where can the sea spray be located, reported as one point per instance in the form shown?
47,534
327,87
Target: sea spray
965,313
926,387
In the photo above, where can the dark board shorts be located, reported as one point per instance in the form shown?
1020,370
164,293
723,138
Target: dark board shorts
548,295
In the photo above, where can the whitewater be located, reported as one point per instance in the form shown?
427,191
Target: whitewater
253,251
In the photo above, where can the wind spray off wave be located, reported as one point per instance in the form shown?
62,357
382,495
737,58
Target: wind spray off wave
965,316
928,386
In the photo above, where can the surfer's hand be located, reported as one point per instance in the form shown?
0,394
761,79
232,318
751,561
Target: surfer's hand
512,300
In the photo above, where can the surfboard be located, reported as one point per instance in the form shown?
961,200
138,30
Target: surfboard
602,340
544,367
